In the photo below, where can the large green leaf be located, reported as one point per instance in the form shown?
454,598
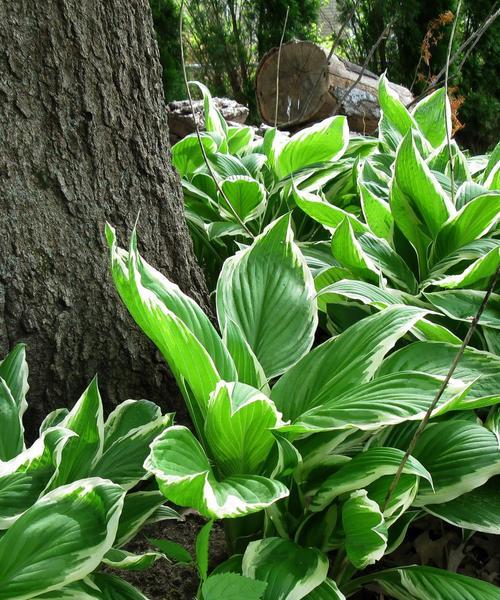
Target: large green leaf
237,428
246,196
365,530
473,221
185,476
393,109
324,141
433,116
290,570
477,510
60,539
232,586
348,251
123,460
464,305
342,362
24,478
187,155
12,439
362,470
81,451
424,583
459,455
14,371
268,279
387,400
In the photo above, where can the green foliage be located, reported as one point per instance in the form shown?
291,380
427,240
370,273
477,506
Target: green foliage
65,504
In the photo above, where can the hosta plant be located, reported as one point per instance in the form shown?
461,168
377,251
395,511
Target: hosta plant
68,503
303,443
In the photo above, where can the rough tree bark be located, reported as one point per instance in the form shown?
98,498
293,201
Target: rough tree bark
84,139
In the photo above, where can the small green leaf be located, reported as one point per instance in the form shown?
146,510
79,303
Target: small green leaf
172,550
231,586
120,559
202,541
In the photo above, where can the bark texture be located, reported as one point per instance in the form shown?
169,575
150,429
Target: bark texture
84,139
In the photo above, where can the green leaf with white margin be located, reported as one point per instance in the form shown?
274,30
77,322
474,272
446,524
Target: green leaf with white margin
324,279
238,139
123,460
365,530
249,369
393,109
60,539
237,428
473,221
348,251
84,589
362,470
201,546
433,116
460,456
323,212
323,142
290,570
187,155
377,212
81,451
115,588
389,262
246,196
121,559
270,278
379,298
53,419
419,205
401,497
387,400
178,327
172,550
24,478
423,583
14,371
127,416
226,165
475,366
232,586
138,509
477,273
477,510
12,438
337,365
328,590
214,121
464,304
185,476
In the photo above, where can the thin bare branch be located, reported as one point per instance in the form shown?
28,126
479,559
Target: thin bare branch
442,388
278,68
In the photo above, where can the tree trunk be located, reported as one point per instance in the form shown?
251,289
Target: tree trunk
84,139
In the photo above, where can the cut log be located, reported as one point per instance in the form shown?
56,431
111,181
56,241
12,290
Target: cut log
180,117
311,89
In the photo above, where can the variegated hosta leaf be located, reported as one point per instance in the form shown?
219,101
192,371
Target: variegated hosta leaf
269,278
376,211
379,298
232,586
328,590
473,221
322,142
12,438
387,400
127,416
60,539
481,270
291,571
24,478
120,559
84,589
214,121
123,460
180,329
249,369
186,154
238,138
237,428
362,470
463,305
342,362
393,109
14,371
459,455
139,508
348,251
475,366
400,499
433,117
477,510
184,475
365,530
82,450
245,195
115,588
424,583
53,419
